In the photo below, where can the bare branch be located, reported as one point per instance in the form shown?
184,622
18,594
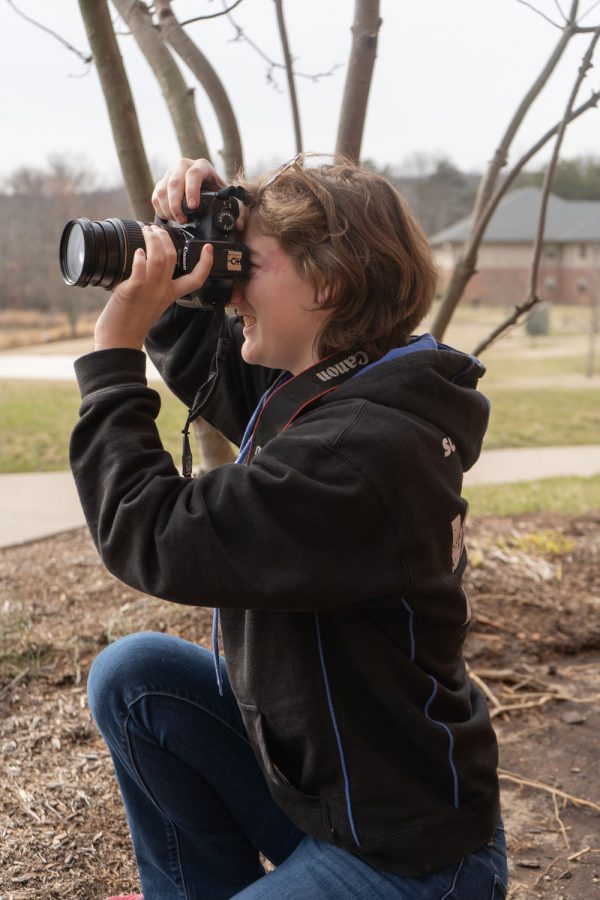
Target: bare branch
290,74
559,8
591,9
540,13
177,95
465,267
532,295
522,162
199,65
85,58
240,35
212,15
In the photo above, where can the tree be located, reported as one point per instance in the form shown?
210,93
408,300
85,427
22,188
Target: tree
365,31
574,179
155,44
492,188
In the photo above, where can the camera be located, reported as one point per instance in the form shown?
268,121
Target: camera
101,253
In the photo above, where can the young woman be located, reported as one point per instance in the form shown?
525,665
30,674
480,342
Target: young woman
339,735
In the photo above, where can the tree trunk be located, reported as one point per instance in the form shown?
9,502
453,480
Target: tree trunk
365,30
193,57
178,96
120,105
290,74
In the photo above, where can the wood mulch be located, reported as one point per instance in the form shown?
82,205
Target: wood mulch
534,648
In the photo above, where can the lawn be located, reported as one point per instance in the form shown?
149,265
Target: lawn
36,420
569,496
542,417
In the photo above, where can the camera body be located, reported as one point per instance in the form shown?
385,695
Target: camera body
101,253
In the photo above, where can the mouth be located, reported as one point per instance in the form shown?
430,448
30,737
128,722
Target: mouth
248,321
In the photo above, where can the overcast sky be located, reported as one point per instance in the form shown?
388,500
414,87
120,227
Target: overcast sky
449,73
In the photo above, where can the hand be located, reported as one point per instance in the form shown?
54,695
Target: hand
188,177
137,303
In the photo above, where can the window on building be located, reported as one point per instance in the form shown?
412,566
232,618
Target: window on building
582,285
551,251
583,250
550,283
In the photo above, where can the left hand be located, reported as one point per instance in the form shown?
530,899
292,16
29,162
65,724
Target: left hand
137,303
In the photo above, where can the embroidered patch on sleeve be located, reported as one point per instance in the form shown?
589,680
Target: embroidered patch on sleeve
458,540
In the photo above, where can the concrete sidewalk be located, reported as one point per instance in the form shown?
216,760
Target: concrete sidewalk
39,505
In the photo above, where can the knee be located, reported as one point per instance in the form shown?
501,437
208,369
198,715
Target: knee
116,674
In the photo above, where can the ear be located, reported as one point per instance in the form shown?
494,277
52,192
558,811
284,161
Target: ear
324,295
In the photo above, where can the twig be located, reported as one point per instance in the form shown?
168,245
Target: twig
591,9
483,687
242,36
86,59
289,68
579,853
561,824
485,620
212,15
533,298
539,12
15,680
505,775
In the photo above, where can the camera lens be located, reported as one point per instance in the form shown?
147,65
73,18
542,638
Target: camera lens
75,253
99,253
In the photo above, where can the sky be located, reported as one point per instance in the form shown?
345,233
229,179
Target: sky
448,76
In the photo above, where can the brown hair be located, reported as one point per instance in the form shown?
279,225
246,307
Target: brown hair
351,234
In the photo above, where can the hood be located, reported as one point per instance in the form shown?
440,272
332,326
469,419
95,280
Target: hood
434,383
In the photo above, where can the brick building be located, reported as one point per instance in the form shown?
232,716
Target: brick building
570,264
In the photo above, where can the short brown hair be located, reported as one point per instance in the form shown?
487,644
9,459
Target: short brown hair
348,230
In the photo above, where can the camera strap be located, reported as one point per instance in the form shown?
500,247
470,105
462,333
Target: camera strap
291,396
206,390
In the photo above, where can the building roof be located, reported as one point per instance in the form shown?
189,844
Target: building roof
516,220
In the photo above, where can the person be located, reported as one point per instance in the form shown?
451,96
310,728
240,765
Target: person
339,736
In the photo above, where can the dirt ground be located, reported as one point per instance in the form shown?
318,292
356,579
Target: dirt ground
534,647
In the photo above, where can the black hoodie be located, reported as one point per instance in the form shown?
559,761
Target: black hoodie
336,558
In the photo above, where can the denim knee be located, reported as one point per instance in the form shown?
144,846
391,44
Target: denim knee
117,673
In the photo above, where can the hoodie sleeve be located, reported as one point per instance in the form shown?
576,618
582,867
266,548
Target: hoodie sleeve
181,346
301,528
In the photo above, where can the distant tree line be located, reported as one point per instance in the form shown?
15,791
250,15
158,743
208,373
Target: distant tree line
35,204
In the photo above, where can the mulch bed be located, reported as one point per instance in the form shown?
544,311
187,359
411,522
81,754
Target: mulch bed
534,647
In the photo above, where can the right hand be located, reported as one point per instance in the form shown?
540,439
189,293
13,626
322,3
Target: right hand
188,177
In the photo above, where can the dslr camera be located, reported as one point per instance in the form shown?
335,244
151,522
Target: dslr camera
101,253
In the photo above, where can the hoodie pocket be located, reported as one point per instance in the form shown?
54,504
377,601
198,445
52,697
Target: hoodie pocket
308,811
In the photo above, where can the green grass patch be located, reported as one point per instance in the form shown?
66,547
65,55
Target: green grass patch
502,366
36,420
543,418
570,496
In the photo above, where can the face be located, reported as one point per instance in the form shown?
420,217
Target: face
279,307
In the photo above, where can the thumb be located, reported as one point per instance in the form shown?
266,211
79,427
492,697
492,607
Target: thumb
196,278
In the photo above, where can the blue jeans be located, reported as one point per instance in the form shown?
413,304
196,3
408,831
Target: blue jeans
198,806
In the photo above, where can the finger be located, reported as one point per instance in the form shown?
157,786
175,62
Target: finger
201,175
169,256
138,267
197,276
175,187
243,218
160,199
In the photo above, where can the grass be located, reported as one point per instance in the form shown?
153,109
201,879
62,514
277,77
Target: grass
36,420
543,418
568,496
